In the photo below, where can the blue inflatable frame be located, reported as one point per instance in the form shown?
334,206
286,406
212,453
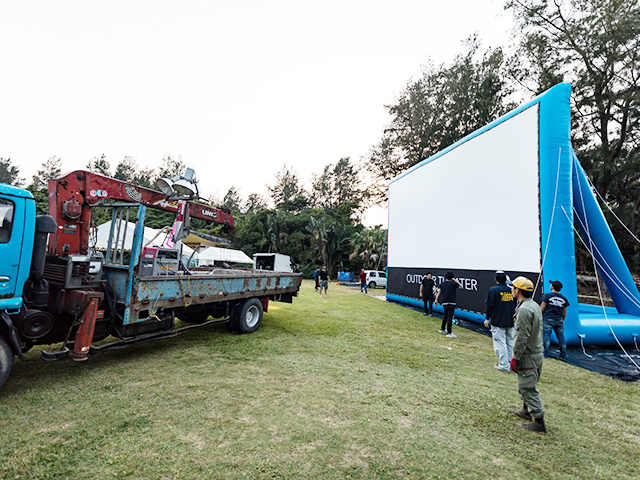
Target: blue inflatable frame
565,190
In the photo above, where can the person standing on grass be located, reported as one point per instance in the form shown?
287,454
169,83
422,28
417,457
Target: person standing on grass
554,310
323,275
427,288
316,278
447,298
500,309
363,282
527,355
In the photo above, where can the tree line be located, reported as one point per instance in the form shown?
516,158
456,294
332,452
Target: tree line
314,226
592,44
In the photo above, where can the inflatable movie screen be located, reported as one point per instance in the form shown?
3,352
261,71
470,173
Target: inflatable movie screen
511,196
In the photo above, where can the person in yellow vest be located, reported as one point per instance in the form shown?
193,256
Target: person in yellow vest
528,355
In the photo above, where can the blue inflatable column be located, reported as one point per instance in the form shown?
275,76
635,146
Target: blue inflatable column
598,237
556,227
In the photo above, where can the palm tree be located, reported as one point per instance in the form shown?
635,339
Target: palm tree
337,242
371,246
277,231
318,231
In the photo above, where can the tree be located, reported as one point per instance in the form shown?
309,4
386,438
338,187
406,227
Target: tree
254,203
51,168
277,232
171,167
251,232
318,231
594,45
128,171
232,200
438,109
287,187
337,185
9,173
338,241
371,246
99,165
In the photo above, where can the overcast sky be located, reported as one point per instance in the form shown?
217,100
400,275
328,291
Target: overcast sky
238,89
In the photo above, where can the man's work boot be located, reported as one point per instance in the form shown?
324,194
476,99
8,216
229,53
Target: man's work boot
536,426
524,413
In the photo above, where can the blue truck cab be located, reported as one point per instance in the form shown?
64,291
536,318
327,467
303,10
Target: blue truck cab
17,230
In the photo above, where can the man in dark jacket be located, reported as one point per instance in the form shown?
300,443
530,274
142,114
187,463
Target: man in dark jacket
500,309
527,354
427,287
447,298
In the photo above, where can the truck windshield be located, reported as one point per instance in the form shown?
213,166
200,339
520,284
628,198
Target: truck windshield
6,219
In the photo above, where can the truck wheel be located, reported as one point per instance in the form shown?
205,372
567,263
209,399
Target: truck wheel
372,284
6,360
247,316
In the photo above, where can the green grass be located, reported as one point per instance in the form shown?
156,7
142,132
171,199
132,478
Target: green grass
344,387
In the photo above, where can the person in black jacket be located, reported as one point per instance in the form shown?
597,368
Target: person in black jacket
447,298
500,309
427,287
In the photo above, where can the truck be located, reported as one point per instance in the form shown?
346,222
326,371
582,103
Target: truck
57,288
276,262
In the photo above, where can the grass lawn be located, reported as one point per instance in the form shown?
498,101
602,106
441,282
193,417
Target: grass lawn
344,387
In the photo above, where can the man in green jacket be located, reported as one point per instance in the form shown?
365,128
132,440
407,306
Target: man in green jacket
528,354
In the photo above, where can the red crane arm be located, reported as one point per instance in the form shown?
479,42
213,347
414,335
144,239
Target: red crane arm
71,195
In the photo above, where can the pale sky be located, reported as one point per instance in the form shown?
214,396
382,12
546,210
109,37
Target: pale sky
237,89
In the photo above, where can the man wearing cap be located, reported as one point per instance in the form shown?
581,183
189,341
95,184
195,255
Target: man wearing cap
500,309
528,354
554,310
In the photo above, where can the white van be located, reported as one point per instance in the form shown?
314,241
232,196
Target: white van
376,279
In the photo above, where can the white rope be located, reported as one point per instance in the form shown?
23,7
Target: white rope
612,212
604,310
553,212
635,343
615,279
583,350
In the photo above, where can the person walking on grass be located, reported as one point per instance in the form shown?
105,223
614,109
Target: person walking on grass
323,275
316,278
499,318
527,355
447,298
363,282
427,287
554,310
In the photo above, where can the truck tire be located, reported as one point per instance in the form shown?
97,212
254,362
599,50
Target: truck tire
6,360
372,284
246,317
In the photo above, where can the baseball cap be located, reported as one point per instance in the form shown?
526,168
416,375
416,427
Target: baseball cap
556,284
523,283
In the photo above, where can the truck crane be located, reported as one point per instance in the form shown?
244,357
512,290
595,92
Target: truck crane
56,289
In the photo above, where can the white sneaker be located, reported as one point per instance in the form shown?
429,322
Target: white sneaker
442,331
452,335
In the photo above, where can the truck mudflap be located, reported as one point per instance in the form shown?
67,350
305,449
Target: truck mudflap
14,337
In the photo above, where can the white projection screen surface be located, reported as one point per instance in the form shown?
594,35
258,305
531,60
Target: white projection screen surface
472,209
